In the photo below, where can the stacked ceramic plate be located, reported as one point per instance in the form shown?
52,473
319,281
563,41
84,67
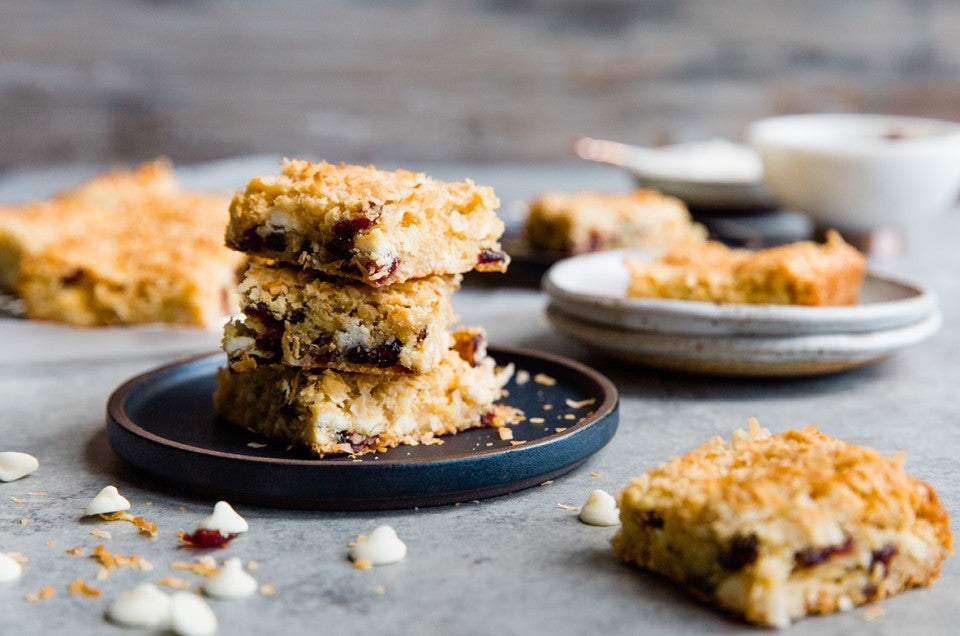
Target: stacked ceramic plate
588,303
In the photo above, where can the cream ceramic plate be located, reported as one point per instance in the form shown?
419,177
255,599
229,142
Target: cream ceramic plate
745,356
592,287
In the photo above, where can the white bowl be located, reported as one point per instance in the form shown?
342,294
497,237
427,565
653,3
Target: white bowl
858,171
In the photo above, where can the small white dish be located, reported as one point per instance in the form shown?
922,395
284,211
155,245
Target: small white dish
592,287
745,356
707,175
858,172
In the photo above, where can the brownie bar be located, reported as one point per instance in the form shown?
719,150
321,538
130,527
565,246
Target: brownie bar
338,412
801,273
588,221
303,319
126,247
776,527
379,227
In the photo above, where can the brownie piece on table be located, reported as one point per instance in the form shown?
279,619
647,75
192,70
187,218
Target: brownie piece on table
588,221
379,227
801,273
334,412
123,248
776,527
301,318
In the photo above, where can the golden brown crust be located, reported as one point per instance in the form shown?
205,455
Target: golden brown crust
587,221
376,226
124,247
801,273
774,527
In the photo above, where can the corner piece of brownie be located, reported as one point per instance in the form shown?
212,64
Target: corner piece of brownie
776,527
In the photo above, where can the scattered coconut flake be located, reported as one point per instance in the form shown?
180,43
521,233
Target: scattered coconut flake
174,582
39,493
143,606
569,416
544,379
78,587
141,524
548,407
24,521
537,420
600,510
362,564
252,565
43,593
522,377
204,566
505,433
381,547
873,612
230,581
190,615
518,442
594,473
380,590
113,560
103,534
579,405
560,429
547,483
10,568
256,445
75,551
18,500
268,589
107,500
225,519
568,507
14,465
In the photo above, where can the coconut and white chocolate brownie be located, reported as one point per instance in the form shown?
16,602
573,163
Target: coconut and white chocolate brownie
586,221
776,527
125,247
380,227
800,273
304,319
339,412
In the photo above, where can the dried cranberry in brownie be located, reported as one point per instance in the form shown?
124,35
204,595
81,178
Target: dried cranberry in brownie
304,319
775,527
380,227
337,412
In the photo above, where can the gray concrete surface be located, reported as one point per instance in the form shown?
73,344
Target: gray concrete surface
511,565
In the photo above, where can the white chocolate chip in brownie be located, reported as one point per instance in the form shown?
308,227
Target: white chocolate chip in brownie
190,615
225,519
230,582
14,465
380,547
10,570
143,606
107,500
600,510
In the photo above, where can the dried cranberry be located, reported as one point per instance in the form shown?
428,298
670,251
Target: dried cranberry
345,232
261,238
378,274
883,556
742,552
814,556
72,278
357,442
652,519
383,356
207,538
490,256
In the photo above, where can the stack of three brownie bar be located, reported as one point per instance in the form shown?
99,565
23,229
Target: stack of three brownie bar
346,343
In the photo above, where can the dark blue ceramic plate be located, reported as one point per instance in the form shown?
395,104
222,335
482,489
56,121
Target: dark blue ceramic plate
163,423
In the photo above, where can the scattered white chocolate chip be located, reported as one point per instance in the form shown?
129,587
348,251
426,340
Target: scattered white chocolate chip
230,582
14,465
190,615
380,547
143,606
579,405
225,519
107,500
10,570
600,510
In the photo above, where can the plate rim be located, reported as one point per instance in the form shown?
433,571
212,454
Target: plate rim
806,348
133,438
741,318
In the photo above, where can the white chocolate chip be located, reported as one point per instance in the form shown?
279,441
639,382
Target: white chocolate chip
225,519
143,606
230,582
15,465
600,510
107,500
380,547
10,570
190,615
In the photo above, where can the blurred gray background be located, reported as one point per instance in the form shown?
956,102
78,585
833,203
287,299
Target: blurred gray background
425,80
